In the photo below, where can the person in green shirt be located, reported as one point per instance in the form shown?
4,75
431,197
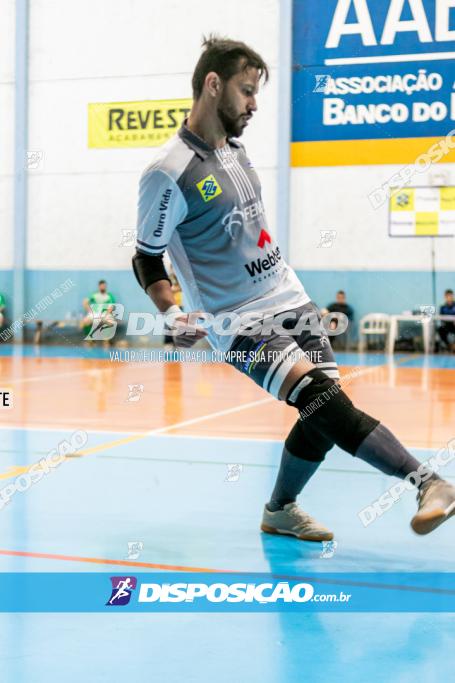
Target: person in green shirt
96,300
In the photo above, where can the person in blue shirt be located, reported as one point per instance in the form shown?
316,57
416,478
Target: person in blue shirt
447,327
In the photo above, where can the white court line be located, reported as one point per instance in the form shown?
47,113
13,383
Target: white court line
209,416
22,380
158,430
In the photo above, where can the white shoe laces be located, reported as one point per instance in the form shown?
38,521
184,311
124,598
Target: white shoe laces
302,518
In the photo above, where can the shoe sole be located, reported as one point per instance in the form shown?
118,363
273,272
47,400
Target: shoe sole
328,536
427,522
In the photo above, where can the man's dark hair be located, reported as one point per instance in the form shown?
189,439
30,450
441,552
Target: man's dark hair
102,282
226,58
448,291
340,291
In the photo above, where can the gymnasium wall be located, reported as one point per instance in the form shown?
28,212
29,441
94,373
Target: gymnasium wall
6,144
81,199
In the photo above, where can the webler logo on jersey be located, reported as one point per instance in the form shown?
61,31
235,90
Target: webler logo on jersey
272,259
209,188
263,238
122,587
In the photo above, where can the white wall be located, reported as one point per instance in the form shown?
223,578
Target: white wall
7,25
336,198
108,50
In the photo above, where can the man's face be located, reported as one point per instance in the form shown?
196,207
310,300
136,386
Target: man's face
449,299
102,287
341,298
238,101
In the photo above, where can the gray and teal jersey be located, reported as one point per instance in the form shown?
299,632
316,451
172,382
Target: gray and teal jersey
204,207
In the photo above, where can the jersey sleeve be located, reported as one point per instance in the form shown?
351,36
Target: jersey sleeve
161,208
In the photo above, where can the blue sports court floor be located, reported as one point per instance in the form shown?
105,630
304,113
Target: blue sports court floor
172,494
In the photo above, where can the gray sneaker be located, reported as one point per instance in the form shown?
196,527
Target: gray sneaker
436,500
292,521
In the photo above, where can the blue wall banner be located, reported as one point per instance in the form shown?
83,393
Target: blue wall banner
373,81
226,592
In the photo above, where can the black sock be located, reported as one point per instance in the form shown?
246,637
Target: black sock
292,477
384,452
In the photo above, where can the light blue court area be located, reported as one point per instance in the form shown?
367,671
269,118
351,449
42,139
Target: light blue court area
179,498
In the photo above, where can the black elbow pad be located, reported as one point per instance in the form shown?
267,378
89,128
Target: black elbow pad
148,269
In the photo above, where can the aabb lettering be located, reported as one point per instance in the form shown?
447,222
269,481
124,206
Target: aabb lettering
394,24
256,267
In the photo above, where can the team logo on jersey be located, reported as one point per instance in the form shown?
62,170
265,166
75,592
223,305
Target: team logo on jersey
233,221
209,188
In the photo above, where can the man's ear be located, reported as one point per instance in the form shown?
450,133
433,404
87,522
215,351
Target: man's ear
213,83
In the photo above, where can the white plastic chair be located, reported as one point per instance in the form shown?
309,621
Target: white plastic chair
373,324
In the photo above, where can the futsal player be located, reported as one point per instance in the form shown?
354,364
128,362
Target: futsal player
200,199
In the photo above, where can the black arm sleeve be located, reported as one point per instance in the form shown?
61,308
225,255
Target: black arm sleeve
148,269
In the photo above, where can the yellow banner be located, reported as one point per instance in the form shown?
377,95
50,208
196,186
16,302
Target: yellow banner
135,124
364,152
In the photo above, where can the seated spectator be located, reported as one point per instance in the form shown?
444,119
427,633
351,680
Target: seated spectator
447,327
340,341
100,301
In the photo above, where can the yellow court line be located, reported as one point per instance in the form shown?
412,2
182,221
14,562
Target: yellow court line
15,470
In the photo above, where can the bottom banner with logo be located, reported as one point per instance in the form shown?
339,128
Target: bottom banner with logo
227,592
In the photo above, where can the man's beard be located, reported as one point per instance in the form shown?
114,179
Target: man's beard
231,124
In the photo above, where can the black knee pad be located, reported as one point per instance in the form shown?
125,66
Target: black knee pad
306,443
324,405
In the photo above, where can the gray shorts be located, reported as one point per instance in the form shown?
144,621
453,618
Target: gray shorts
268,357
